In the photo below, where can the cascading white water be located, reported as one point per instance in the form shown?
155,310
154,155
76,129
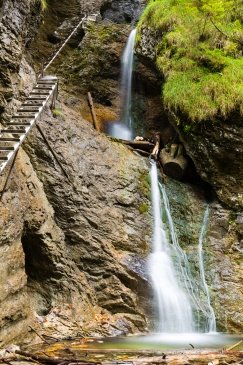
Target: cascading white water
173,306
183,268
126,80
211,321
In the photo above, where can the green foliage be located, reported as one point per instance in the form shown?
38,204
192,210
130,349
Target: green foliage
43,5
143,208
199,53
57,112
144,183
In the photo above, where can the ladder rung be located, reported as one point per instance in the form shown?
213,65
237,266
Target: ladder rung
3,158
6,148
13,131
42,87
46,82
34,110
40,93
9,139
19,123
34,104
23,116
48,78
35,98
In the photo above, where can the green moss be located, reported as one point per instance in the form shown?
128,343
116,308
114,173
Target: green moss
88,67
144,184
232,218
143,208
57,112
199,54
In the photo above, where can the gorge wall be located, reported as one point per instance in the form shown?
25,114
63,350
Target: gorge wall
74,250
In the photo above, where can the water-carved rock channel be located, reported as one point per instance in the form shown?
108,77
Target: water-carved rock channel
113,248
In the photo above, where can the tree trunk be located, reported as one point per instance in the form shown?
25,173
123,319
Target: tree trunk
173,162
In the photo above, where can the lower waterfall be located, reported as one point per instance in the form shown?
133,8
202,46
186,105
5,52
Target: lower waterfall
173,305
182,303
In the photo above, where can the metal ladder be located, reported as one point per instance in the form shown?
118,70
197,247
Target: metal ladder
17,129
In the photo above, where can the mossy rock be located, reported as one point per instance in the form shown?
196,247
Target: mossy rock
199,49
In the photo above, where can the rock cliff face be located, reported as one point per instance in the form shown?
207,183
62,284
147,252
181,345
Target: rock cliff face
83,259
18,24
72,264
221,249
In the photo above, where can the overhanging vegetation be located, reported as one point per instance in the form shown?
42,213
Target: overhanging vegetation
199,53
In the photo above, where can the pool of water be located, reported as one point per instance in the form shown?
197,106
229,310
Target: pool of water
163,341
150,344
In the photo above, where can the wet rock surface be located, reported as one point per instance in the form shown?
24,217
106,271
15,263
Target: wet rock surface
222,250
215,158
121,11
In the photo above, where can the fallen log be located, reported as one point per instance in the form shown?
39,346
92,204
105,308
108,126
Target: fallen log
54,360
173,162
142,145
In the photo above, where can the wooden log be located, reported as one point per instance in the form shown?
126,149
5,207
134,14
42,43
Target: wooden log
142,145
54,360
173,166
93,113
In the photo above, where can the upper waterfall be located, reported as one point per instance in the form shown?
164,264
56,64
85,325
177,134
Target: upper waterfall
126,80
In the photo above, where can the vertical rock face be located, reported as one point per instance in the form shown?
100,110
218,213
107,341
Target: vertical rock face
216,160
99,212
221,250
121,11
23,207
18,24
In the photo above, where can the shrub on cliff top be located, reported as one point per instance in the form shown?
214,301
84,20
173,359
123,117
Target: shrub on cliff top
199,53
